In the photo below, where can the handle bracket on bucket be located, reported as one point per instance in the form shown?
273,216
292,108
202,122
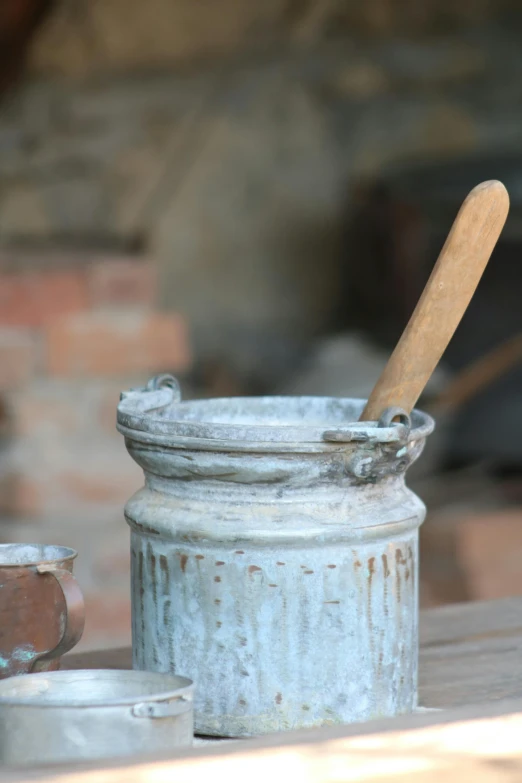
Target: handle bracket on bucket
386,430
156,384
389,414
164,381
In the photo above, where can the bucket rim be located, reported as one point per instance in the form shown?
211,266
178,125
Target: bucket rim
156,414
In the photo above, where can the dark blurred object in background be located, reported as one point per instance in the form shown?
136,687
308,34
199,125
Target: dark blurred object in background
397,226
19,20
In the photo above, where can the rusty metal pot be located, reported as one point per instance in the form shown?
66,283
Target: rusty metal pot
42,611
275,556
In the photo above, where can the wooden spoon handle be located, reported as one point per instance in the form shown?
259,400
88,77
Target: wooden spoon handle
444,300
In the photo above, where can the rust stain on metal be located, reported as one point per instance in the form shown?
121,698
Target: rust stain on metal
386,573
218,623
331,602
141,583
280,563
200,557
278,698
217,601
152,559
412,562
183,562
166,612
272,585
308,572
331,566
371,572
399,557
140,576
253,568
240,552
220,562
400,560
407,574
145,528
242,702
164,570
217,579
357,564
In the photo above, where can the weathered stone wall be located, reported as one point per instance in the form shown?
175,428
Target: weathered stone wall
86,36
233,174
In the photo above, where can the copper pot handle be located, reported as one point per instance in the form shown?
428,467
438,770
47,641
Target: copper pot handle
74,614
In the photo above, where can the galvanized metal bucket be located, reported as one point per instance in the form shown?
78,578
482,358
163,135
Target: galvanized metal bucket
275,556
64,716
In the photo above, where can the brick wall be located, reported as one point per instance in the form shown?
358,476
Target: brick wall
74,331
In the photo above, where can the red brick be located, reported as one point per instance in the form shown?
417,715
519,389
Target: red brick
121,282
20,496
44,411
489,549
105,488
60,408
116,343
106,413
112,567
18,357
32,298
107,620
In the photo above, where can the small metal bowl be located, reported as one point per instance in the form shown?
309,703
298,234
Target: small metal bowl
65,716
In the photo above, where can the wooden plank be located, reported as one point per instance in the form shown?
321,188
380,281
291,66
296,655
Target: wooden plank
471,674
115,658
483,745
471,653
474,620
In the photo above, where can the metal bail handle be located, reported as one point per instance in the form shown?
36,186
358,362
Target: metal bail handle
165,381
162,709
391,413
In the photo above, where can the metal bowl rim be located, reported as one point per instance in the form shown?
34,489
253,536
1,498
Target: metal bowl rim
185,689
67,554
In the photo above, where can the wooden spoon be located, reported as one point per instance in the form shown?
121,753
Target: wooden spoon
444,300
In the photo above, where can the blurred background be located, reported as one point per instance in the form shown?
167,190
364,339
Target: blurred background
250,195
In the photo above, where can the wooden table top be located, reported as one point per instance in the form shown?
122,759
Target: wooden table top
470,654
470,662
